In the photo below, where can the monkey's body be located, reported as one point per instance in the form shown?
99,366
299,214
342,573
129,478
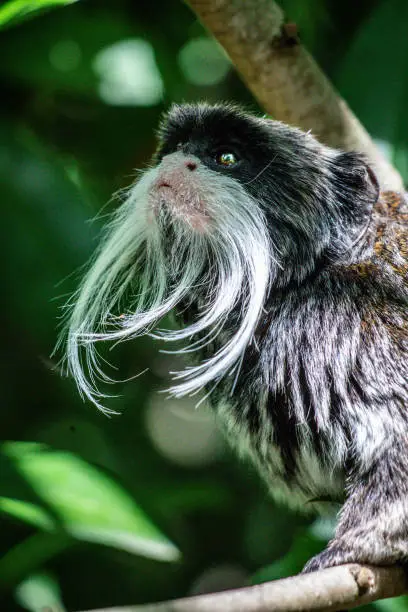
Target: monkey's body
321,402
315,337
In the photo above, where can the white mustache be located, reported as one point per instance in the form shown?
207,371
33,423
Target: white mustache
242,269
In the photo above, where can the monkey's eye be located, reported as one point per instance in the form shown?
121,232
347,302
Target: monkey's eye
226,158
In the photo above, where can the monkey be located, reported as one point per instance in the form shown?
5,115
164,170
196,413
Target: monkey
286,267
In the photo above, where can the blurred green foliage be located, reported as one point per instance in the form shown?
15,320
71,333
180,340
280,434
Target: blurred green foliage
84,500
17,10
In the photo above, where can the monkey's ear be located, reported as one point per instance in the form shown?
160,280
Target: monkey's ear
355,177
356,190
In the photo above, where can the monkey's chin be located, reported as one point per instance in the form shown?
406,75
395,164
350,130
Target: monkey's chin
171,209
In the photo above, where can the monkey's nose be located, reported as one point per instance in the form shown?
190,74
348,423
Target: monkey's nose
190,164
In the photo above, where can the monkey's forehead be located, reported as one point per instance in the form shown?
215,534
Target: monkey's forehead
226,124
222,123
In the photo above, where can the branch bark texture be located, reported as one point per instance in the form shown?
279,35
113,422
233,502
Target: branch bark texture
284,77
330,589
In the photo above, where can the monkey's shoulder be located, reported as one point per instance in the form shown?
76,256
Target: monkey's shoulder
391,240
393,206
386,264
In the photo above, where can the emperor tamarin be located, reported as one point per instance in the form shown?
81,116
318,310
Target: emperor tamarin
287,270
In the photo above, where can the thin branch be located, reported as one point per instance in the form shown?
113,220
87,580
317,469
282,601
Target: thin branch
330,589
285,79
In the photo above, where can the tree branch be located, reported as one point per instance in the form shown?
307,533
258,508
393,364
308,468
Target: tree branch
330,589
285,79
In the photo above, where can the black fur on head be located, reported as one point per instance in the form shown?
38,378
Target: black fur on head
317,201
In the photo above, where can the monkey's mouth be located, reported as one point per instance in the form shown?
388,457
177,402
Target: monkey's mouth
164,184
170,202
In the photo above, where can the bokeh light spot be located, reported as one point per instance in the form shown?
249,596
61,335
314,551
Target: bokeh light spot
129,75
203,62
181,433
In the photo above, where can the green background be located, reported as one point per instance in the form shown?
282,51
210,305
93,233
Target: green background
148,505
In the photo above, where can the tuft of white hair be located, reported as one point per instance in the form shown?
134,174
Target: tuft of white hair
225,269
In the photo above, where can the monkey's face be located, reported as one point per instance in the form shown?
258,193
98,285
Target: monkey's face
214,159
216,164
233,206
203,166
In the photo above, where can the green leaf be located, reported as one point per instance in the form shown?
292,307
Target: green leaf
30,555
27,512
39,592
82,501
17,10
